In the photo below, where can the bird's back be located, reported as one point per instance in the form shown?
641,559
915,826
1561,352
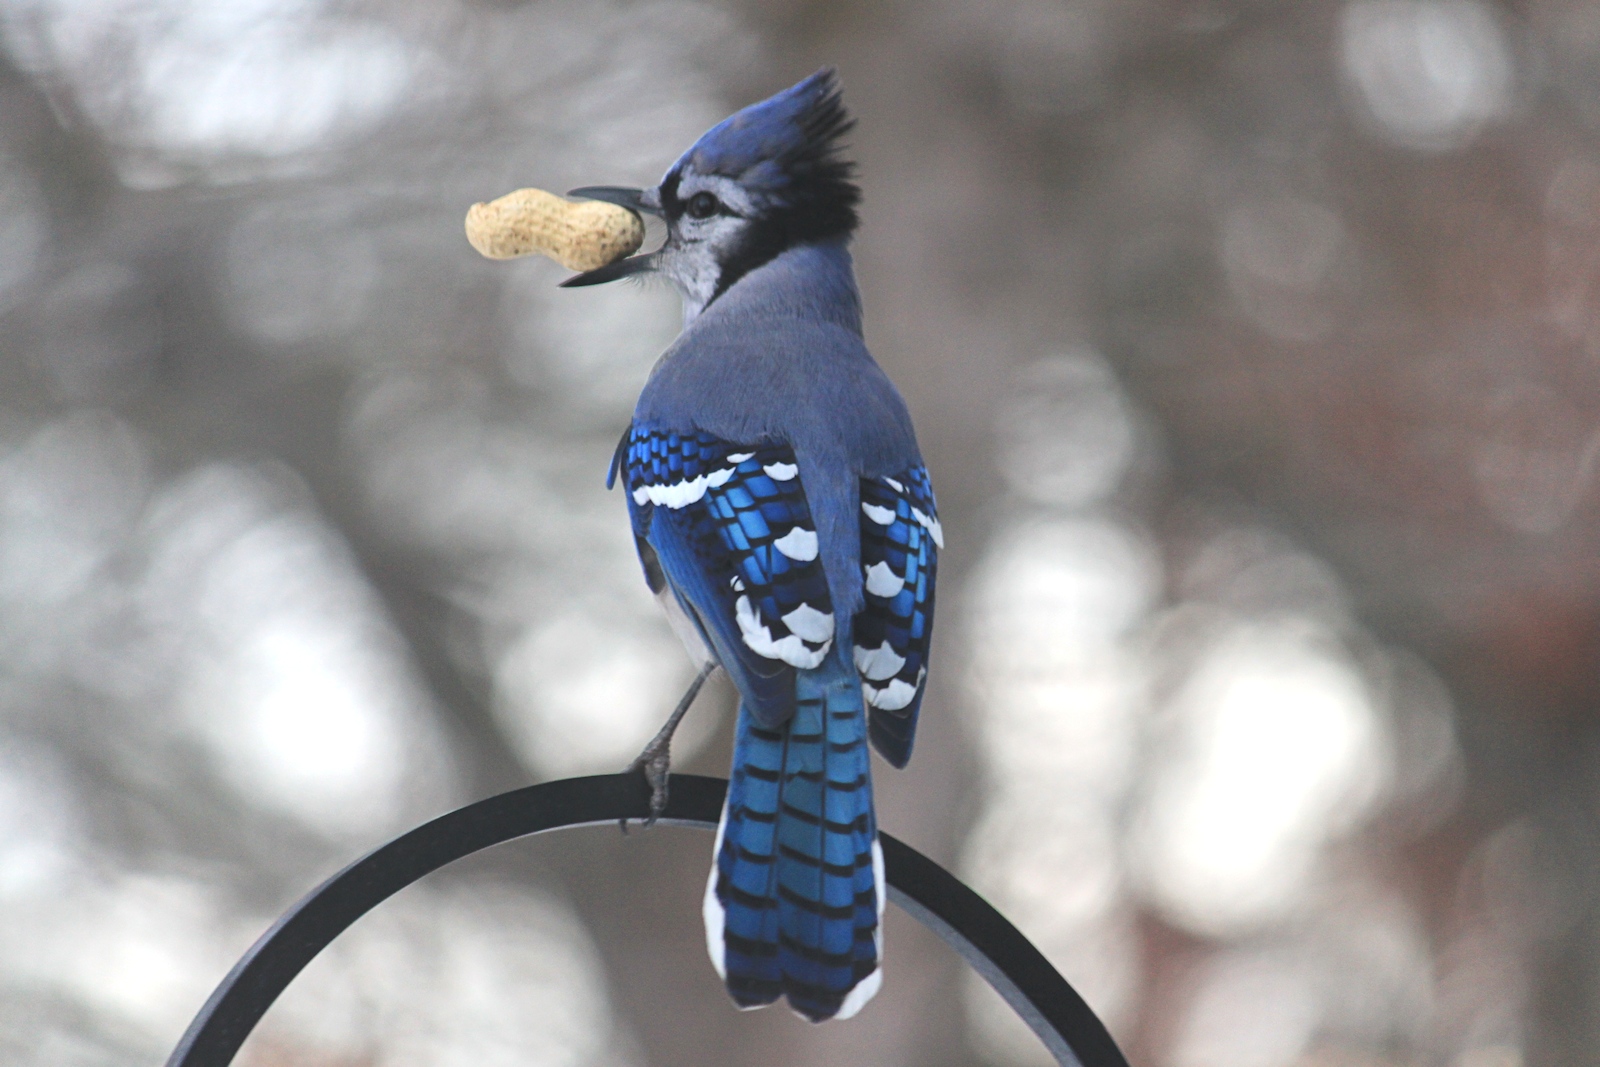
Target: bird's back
780,357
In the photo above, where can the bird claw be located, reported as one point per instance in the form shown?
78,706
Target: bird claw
656,763
656,759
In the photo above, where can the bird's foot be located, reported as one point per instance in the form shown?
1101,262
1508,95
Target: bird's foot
656,763
656,759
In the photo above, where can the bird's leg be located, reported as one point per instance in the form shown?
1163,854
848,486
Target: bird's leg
656,759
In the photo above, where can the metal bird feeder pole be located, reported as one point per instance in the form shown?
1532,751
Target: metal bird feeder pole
920,887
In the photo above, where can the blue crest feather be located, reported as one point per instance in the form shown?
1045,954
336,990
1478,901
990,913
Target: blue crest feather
785,149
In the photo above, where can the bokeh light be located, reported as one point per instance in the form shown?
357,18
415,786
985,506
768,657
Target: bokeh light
1430,72
1272,746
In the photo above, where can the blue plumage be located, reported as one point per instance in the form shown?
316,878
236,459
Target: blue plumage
775,148
740,547
781,506
900,541
795,898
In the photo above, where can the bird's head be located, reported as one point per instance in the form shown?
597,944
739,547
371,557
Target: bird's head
762,181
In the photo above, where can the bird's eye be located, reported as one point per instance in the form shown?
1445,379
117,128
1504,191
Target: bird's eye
702,206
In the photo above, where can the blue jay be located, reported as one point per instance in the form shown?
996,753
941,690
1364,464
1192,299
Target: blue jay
784,517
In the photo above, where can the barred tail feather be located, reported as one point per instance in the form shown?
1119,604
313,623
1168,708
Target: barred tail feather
795,900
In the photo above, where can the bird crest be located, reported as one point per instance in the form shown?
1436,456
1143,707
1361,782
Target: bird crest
785,153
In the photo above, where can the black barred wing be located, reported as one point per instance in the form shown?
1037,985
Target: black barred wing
731,529
900,542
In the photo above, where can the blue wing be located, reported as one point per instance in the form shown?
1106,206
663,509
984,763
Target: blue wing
726,533
900,542
729,528
732,534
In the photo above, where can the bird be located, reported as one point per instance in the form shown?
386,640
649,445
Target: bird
784,517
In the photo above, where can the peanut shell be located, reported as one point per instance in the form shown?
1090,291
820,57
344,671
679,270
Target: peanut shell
579,236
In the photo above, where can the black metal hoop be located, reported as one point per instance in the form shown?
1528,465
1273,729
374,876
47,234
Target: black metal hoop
923,889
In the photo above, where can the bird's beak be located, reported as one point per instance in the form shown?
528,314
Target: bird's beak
622,268
639,201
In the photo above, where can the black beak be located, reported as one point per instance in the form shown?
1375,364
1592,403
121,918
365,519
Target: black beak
638,201
622,268
635,200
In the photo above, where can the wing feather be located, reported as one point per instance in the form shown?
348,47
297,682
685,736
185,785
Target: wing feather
900,542
733,535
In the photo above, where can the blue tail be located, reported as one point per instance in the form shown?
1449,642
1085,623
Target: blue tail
796,895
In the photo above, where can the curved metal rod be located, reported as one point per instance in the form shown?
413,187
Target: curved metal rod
923,889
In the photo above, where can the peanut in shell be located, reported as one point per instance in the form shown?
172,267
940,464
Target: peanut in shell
580,236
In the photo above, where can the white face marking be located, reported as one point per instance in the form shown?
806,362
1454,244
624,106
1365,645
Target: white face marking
724,189
798,544
879,664
883,581
881,516
692,257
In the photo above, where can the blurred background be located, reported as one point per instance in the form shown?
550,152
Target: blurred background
1255,351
